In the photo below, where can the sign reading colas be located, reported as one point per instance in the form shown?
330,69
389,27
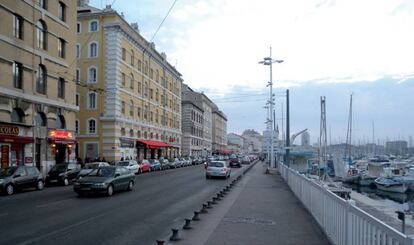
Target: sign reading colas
9,130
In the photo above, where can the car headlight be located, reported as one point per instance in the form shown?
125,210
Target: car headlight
1,181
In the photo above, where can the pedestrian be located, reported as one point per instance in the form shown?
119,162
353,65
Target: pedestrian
103,159
122,158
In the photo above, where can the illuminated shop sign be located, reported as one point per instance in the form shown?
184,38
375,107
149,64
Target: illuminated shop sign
9,130
60,134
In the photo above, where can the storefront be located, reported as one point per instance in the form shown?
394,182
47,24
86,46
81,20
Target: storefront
15,145
151,149
62,144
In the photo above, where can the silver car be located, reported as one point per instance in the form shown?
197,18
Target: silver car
218,169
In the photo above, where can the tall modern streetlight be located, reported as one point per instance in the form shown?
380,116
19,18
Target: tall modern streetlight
269,61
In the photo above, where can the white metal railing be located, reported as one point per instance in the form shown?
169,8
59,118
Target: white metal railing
343,222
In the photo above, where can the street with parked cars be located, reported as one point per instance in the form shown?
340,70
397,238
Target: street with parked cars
80,208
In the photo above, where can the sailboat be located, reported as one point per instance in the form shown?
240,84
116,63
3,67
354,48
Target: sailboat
352,174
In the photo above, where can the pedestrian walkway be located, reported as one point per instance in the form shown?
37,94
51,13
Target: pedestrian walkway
260,210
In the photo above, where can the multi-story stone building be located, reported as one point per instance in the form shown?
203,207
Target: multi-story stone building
219,132
207,105
192,122
37,88
129,95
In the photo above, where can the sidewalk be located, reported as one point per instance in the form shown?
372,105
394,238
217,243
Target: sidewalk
260,210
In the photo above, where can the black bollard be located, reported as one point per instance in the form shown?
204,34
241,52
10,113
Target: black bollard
187,224
196,215
209,204
214,200
218,197
204,209
160,242
175,236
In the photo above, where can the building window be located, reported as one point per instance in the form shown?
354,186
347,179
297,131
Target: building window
139,65
42,3
17,115
151,93
78,28
61,88
41,34
62,11
92,98
139,112
93,50
18,26
138,134
77,75
131,81
77,99
131,133
92,75
78,50
139,87
62,47
41,81
17,75
131,108
123,54
40,119
123,79
123,131
146,67
151,73
132,58
123,107
60,122
91,126
77,126
156,95
157,76
93,26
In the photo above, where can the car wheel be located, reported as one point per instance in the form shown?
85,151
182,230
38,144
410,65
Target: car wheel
110,190
9,189
40,185
65,182
80,194
130,186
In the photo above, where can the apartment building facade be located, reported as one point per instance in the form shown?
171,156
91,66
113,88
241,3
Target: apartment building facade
37,88
219,131
129,95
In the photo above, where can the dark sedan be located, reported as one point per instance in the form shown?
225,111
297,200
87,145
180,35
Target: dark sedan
63,173
20,177
105,180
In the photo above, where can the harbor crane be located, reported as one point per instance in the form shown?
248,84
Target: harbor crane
293,137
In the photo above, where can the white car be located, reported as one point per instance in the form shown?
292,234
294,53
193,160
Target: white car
131,165
218,169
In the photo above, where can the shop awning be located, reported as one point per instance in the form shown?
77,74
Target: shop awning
152,144
16,139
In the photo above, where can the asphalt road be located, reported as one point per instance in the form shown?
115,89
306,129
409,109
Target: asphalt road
55,215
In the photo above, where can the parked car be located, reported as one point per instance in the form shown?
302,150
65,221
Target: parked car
144,166
89,167
105,180
245,160
189,161
234,162
131,165
62,174
173,163
164,163
155,164
217,169
18,178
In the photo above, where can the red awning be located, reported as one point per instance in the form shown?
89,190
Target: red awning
152,144
16,139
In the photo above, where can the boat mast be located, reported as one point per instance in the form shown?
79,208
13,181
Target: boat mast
348,149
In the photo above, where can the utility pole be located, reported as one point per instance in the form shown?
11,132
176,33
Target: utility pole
287,129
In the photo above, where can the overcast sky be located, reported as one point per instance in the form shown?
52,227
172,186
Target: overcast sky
331,48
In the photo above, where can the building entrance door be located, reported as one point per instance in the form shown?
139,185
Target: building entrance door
60,153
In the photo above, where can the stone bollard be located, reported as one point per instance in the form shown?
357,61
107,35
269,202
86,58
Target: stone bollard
175,236
187,224
214,200
218,198
160,242
209,204
196,215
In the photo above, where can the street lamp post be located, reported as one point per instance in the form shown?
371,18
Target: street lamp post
269,61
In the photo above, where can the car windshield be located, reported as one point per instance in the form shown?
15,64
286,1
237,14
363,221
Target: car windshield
125,163
216,164
103,172
59,168
91,166
7,171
